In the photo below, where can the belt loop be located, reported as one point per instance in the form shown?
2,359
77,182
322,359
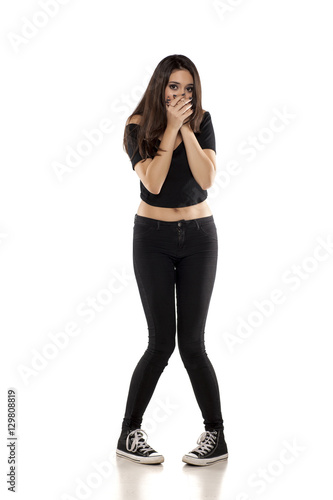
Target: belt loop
197,223
158,224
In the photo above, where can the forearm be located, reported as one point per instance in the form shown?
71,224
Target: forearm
158,168
201,166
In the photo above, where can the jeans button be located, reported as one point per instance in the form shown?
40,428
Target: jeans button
179,224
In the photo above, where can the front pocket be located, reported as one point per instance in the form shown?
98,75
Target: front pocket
140,230
209,230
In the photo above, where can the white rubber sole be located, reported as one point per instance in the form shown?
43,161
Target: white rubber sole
188,459
158,459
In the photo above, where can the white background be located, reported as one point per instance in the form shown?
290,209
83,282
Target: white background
65,239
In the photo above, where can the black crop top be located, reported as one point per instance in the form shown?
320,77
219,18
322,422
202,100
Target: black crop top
179,189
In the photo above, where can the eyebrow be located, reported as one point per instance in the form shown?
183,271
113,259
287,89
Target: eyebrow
172,81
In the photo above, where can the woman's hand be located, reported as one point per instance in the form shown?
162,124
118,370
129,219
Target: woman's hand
178,111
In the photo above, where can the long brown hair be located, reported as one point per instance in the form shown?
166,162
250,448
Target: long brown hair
152,105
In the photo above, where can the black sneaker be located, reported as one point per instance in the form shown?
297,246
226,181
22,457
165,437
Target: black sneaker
133,446
212,448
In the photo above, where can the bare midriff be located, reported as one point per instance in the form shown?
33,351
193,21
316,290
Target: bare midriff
173,214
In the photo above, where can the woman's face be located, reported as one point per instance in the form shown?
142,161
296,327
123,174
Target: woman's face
180,84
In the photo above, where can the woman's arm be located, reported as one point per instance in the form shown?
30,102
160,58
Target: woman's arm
153,171
202,162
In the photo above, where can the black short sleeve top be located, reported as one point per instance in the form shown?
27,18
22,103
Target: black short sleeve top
179,189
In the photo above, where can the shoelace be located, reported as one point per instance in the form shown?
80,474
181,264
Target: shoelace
139,442
206,441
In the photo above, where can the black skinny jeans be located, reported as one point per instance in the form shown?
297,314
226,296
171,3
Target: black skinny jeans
181,254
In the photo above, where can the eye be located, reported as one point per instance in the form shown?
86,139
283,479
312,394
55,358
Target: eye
173,86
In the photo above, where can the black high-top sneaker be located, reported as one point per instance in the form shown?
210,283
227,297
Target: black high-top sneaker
133,445
212,448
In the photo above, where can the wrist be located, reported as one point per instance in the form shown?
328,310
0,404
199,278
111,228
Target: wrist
172,128
185,127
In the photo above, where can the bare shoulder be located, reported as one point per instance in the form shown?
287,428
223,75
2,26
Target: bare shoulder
134,119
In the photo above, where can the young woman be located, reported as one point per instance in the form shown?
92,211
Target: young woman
171,143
